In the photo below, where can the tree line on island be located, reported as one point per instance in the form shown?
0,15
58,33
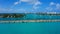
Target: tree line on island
22,15
12,15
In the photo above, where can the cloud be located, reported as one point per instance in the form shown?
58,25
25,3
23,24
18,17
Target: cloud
35,3
35,6
9,10
16,3
53,7
52,3
31,1
49,9
58,6
26,0
5,9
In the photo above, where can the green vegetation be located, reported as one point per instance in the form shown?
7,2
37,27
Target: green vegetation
13,15
5,15
18,15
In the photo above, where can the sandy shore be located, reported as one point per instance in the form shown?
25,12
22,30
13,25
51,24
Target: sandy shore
29,21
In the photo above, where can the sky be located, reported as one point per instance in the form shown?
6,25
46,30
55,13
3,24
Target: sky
23,6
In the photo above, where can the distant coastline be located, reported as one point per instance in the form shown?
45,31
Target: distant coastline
24,15
46,17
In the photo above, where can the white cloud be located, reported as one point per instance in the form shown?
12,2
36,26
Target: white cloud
58,6
30,1
35,6
53,7
16,3
25,0
49,9
5,9
35,3
52,3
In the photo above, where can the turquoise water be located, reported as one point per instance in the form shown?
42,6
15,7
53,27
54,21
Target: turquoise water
31,28
33,17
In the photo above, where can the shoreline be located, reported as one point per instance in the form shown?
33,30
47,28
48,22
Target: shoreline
29,21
